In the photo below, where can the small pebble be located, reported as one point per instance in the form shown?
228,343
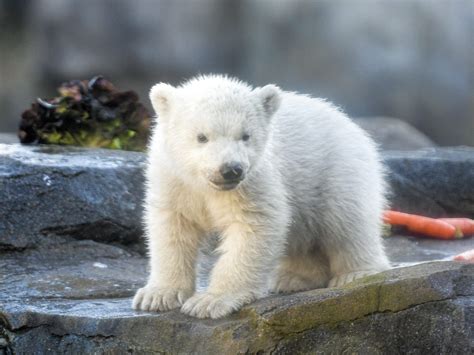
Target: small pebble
47,180
100,265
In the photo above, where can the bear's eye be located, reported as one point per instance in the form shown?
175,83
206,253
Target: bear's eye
245,137
202,138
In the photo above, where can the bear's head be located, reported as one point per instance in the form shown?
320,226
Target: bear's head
214,128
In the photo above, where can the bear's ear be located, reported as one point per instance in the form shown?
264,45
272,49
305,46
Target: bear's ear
161,96
270,97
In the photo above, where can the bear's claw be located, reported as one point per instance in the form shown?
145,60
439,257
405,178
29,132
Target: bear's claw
208,305
152,298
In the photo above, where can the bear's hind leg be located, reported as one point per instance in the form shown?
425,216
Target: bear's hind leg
356,254
301,272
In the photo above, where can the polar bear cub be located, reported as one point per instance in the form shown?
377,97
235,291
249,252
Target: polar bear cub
292,186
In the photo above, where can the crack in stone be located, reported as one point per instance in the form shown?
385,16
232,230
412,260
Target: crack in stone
101,228
285,336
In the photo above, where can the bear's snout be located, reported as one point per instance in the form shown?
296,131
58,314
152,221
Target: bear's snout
232,172
229,176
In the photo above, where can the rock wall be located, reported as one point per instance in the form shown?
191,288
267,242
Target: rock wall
94,194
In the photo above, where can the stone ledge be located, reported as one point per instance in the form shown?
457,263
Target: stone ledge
440,290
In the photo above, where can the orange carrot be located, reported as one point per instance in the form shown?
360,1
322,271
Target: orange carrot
429,227
466,256
466,225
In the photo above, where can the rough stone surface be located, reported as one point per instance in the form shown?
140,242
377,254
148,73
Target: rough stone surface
394,134
68,289
434,182
428,307
82,193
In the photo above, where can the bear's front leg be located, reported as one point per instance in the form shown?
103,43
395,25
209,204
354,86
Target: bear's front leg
240,275
173,245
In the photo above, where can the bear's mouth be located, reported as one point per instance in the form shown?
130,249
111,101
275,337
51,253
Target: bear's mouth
225,185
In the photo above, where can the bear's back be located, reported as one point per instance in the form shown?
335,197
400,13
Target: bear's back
322,155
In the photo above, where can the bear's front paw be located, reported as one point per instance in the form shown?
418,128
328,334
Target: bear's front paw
152,298
208,305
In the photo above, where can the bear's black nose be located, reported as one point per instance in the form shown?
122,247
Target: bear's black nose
231,171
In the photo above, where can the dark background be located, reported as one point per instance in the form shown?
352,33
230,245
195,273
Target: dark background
411,59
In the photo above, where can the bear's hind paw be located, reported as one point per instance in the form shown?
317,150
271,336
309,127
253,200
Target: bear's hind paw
292,283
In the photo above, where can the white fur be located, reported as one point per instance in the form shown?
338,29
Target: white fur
307,213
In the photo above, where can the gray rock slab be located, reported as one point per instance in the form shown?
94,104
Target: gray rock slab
432,181
71,270
78,192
